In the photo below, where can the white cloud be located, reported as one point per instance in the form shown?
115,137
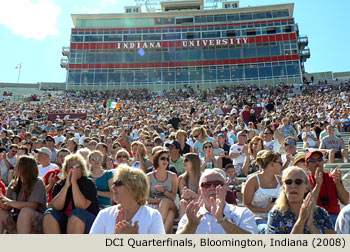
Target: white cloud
30,19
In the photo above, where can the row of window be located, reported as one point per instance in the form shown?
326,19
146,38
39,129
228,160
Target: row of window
179,55
222,73
182,36
182,29
223,17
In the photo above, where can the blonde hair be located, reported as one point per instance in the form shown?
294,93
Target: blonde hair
122,150
265,157
282,201
179,132
135,181
201,130
80,159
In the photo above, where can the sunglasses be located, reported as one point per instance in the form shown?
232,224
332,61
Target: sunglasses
122,156
195,136
186,160
290,143
296,181
265,133
313,160
280,162
118,183
208,146
69,166
164,158
211,183
149,145
95,158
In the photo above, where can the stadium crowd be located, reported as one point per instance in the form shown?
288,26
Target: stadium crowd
239,159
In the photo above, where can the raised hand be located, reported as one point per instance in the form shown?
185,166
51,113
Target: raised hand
159,188
68,182
304,212
192,212
318,176
217,205
122,226
336,176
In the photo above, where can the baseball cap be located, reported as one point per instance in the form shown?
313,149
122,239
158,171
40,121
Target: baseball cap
242,132
309,154
175,143
43,150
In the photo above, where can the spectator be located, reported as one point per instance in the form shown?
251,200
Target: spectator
7,162
292,214
176,159
103,179
342,225
212,215
163,189
330,189
188,182
333,146
50,144
238,153
74,206
131,215
25,202
43,159
261,190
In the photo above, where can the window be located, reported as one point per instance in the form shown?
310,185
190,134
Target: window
251,32
191,35
233,17
187,20
93,38
152,37
230,33
132,37
113,38
271,30
220,18
77,38
172,36
215,34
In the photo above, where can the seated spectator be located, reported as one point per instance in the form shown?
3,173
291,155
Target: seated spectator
25,202
238,153
209,161
342,225
224,159
295,214
103,179
188,182
139,160
286,129
262,189
250,166
53,176
333,146
176,159
163,189
212,215
231,177
201,136
181,137
273,139
330,189
7,163
74,206
122,157
290,146
131,215
299,160
44,157
309,137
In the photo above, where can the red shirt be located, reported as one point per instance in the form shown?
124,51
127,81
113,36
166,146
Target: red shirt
55,172
246,115
328,191
2,188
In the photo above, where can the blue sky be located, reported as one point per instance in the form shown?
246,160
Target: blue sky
33,32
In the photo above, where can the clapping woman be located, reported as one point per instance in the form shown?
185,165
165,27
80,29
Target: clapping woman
131,215
164,185
74,205
295,213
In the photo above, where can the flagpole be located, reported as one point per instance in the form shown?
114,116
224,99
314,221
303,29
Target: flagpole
19,72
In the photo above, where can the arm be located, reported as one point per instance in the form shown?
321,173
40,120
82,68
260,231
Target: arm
79,200
343,195
246,164
60,199
172,195
107,194
279,136
20,205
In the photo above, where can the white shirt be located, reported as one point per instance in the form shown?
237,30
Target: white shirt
240,216
150,221
309,140
273,145
237,149
44,170
60,138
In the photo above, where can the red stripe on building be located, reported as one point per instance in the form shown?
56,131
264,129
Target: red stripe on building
180,43
186,63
